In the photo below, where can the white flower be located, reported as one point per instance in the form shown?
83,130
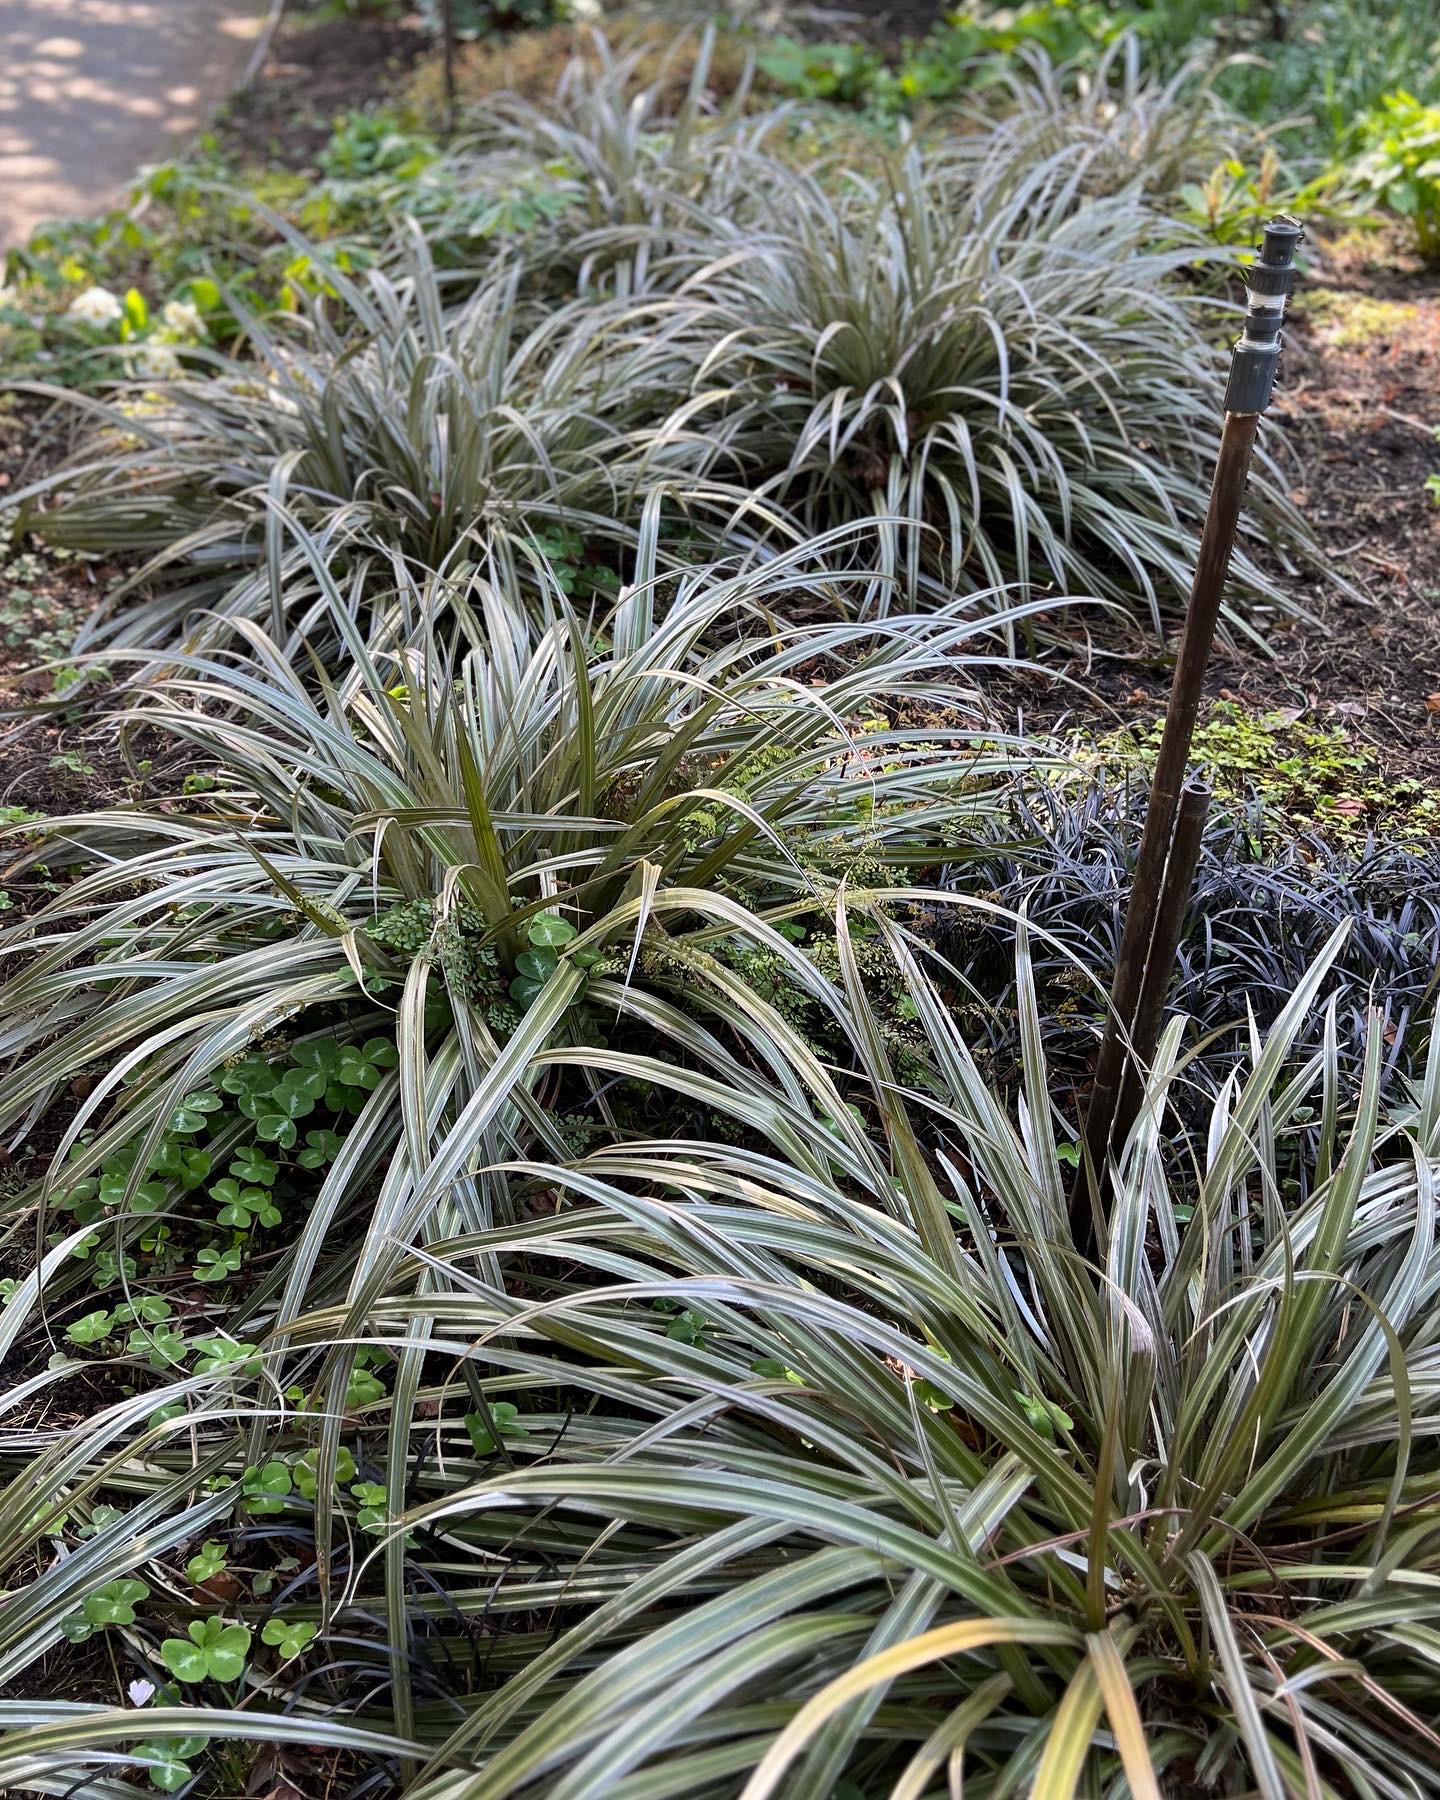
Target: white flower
585,12
96,306
183,318
156,362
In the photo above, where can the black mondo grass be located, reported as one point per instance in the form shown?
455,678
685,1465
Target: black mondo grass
1263,907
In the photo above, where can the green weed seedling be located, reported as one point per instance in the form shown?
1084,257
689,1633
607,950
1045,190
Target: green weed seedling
564,552
167,1760
101,1519
291,1637
208,1562
264,1579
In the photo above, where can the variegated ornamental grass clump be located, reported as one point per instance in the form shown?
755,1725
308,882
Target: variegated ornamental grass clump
528,1282
957,338
462,854
1005,370
806,1454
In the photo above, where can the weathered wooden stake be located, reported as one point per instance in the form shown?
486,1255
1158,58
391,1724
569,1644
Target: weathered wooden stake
447,35
1164,867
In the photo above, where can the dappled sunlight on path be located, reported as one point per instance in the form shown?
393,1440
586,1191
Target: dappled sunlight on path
91,89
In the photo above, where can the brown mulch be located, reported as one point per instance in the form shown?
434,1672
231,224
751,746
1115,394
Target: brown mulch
319,66
1363,392
1357,401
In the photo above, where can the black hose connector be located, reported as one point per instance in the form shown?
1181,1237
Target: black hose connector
1270,281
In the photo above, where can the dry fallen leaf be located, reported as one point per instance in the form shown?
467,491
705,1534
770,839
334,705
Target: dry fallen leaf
1432,703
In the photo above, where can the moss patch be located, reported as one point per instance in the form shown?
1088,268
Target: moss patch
1310,777
1351,321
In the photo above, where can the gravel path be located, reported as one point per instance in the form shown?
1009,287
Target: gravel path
91,89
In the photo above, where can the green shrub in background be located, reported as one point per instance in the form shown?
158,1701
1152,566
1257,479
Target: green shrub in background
1397,165
473,19
972,48
1303,72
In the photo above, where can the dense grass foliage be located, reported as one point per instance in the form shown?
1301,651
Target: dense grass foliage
834,1410
970,345
396,858
544,1243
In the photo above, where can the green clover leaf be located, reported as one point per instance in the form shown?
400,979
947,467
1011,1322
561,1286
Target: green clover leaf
249,1078
211,1650
217,1265
242,1207
145,1309
166,1762
307,1471
363,1389
362,1067
208,1560
1043,1415
321,1147
372,1515
190,1115
223,1353
254,1168
548,931
537,965
289,1636
505,1417
94,1327
162,1347
115,1603
266,1490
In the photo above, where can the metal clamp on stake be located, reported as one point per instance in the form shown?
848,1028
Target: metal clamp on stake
1170,841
